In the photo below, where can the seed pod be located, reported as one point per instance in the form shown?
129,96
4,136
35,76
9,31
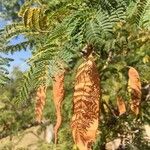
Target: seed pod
58,94
85,118
134,85
121,105
40,102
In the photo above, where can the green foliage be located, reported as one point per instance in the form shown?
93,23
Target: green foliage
56,32
4,63
13,118
138,10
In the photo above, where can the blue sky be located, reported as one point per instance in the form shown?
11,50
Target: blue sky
19,57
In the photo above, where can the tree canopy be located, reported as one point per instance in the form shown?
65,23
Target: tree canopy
66,36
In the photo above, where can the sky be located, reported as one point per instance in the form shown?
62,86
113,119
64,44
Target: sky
19,57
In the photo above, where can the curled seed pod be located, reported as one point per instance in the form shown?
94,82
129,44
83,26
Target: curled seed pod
58,94
86,111
40,102
134,86
121,105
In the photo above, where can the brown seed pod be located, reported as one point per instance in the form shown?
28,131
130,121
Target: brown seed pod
40,102
134,85
85,118
58,94
121,105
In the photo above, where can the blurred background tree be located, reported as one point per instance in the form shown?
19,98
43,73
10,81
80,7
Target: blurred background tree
9,9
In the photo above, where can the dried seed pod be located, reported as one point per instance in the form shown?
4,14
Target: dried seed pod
85,118
40,102
134,85
58,94
121,105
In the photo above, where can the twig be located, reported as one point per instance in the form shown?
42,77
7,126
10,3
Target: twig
108,60
104,102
